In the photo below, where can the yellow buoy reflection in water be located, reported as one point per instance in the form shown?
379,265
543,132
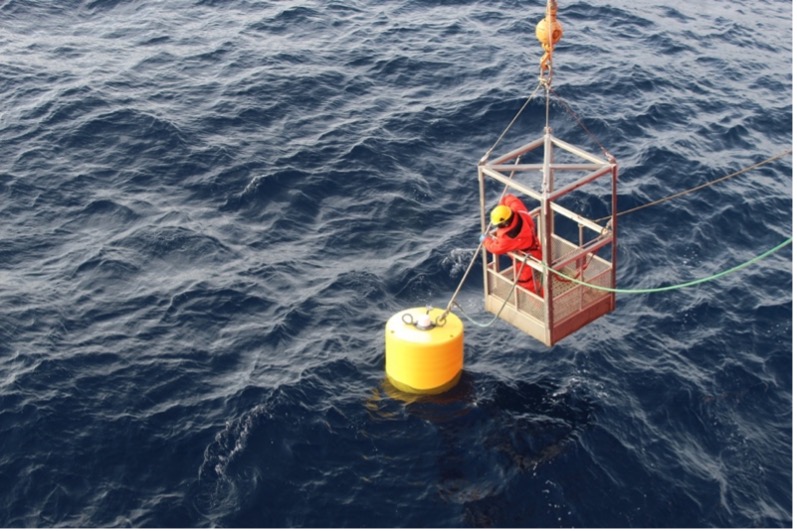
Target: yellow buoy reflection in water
424,350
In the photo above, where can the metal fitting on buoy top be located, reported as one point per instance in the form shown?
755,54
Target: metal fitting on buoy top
424,350
424,321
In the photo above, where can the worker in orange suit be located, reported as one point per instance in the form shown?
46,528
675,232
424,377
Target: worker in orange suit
515,232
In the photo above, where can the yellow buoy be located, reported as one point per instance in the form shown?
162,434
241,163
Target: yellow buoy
424,350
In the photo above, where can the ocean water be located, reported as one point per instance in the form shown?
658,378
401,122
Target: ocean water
210,209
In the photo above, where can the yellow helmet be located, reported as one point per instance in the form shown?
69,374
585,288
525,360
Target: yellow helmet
500,215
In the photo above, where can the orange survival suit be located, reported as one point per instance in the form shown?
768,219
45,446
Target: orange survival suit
519,234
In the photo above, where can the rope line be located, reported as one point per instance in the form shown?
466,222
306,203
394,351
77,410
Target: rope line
512,123
681,285
704,185
581,123
462,282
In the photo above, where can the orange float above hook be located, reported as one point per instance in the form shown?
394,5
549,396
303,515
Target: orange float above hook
549,32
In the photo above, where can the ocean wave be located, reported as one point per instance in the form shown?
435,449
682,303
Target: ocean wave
210,210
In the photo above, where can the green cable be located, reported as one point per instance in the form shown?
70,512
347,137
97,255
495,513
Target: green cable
677,286
488,324
634,291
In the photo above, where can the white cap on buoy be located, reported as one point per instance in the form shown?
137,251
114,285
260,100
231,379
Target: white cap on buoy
424,322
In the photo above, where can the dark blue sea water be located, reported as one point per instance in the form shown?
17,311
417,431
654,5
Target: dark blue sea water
210,209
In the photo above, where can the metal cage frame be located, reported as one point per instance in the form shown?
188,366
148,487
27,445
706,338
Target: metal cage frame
565,306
